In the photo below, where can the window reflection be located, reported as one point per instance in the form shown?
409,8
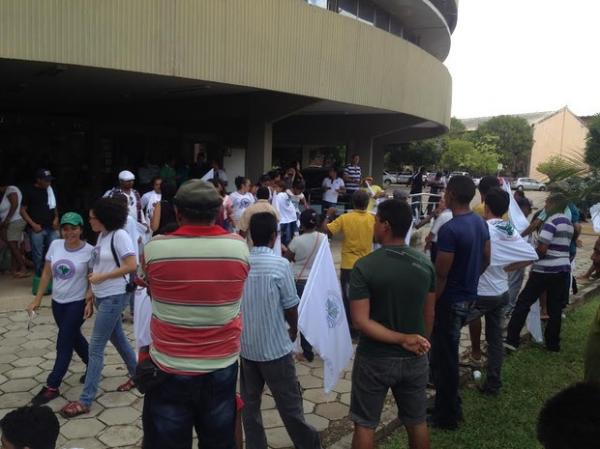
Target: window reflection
348,8
319,3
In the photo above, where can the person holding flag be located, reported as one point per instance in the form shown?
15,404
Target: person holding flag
392,300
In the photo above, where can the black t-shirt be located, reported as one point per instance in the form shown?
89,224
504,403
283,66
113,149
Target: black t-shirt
36,200
416,183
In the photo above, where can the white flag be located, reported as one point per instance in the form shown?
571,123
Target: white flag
208,176
515,214
595,213
507,245
322,318
142,315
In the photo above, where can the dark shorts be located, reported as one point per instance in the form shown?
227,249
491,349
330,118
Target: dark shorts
373,377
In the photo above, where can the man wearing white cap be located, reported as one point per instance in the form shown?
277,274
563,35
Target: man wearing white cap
134,202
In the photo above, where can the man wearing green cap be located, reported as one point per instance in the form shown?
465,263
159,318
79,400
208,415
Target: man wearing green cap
196,276
67,266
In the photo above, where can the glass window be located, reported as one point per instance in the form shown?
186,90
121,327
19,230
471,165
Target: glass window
319,3
396,27
382,19
366,11
348,8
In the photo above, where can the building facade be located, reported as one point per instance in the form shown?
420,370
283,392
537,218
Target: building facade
90,87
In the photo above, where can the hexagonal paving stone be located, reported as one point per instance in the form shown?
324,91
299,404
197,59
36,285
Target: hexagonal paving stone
4,367
21,373
119,415
310,381
27,361
56,404
37,344
317,422
7,358
343,386
18,317
317,372
16,385
116,399
87,443
271,419
14,400
2,380
114,370
121,436
332,410
37,352
318,396
278,438
345,398
266,403
82,428
307,406
302,370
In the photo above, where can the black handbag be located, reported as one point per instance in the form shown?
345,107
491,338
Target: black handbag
148,376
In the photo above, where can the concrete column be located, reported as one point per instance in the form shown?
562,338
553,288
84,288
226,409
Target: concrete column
377,161
259,151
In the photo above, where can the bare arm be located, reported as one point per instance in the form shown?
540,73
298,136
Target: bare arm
487,256
443,263
291,317
128,265
155,223
429,313
532,227
517,265
289,255
360,309
44,282
36,227
14,202
542,249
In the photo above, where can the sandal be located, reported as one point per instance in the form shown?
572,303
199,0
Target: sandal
73,409
129,385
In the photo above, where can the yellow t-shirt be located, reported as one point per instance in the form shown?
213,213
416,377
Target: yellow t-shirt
480,210
375,190
357,227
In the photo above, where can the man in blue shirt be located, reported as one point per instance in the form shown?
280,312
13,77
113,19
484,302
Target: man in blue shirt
463,255
269,306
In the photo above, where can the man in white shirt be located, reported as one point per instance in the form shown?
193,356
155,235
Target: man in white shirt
492,290
149,199
332,187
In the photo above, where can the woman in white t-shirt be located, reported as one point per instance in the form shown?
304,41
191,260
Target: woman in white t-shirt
240,199
332,187
12,226
282,202
112,263
302,251
67,262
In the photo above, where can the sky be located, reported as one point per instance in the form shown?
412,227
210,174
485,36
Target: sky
518,56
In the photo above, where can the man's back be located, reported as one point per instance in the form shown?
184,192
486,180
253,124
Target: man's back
464,236
269,291
397,280
357,227
196,277
557,233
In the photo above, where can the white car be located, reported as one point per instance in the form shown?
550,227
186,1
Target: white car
527,184
390,178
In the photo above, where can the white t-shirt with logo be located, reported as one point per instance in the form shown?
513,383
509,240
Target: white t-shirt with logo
240,203
103,262
284,205
149,199
5,204
69,271
440,221
330,195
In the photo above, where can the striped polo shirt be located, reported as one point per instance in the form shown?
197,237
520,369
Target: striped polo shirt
354,174
269,291
196,277
557,233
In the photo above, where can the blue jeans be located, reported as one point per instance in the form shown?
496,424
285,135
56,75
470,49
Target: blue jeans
205,402
287,232
107,327
450,317
69,318
515,282
40,242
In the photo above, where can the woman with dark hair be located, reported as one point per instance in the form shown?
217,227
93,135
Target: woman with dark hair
66,266
112,263
163,218
302,251
240,199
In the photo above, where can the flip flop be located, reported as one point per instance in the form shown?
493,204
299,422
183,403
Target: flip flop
129,385
73,409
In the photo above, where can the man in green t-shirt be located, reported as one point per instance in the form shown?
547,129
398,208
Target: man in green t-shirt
392,301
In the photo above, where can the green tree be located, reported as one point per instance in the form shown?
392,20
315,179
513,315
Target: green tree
425,153
477,156
457,128
592,145
557,168
515,139
459,155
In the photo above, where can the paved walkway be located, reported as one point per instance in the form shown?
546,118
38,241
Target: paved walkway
26,358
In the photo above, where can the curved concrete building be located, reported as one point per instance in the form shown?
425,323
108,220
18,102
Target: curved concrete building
114,83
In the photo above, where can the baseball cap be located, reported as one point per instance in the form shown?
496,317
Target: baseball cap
71,218
126,175
197,194
45,174
400,195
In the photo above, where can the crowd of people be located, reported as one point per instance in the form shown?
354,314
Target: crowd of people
225,273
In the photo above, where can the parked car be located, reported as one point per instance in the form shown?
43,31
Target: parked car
458,173
404,177
527,184
390,178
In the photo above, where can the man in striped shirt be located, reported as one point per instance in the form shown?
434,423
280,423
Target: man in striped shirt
270,314
352,175
550,273
196,276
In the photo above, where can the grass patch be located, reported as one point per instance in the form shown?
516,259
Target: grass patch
530,377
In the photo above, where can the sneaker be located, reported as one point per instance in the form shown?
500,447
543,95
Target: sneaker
45,395
509,348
